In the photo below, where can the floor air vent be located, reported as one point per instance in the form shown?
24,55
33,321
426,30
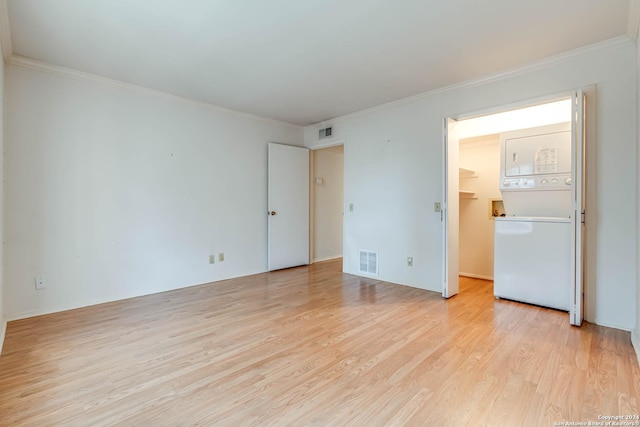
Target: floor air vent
369,262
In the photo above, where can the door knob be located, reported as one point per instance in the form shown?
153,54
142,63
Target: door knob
272,213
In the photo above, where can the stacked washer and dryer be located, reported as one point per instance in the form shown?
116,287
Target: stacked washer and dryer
532,259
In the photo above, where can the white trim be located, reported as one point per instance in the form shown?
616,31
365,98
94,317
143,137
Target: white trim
97,301
326,258
3,332
633,23
510,73
83,304
635,341
5,31
515,105
76,305
326,144
610,325
476,276
33,64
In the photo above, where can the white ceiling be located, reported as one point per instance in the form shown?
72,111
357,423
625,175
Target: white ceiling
304,61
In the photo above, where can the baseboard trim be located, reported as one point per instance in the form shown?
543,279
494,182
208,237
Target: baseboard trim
635,341
3,332
326,259
41,311
476,276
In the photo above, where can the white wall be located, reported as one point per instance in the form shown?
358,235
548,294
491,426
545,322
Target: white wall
114,192
393,173
3,320
328,165
476,226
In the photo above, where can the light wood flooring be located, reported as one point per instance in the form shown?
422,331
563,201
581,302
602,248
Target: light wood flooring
313,346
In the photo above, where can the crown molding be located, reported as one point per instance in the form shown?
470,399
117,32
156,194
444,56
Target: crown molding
633,28
492,78
5,31
633,23
34,64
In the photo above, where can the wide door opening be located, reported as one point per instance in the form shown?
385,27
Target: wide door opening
503,192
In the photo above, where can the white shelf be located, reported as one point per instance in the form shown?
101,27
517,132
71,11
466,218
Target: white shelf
468,173
464,194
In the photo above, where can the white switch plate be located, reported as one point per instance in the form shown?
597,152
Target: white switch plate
212,259
437,207
350,207
221,256
410,261
40,283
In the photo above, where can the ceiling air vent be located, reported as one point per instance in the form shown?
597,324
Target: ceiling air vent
369,262
325,133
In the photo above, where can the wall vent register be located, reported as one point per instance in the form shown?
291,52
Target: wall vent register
369,262
325,133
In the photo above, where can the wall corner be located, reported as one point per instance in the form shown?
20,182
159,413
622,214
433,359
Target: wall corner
635,341
3,332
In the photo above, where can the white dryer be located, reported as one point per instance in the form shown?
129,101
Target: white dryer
532,259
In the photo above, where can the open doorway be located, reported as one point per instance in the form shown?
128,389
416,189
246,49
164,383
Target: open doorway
476,184
327,194
480,202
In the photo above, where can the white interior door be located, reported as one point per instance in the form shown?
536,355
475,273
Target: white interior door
288,206
576,311
451,209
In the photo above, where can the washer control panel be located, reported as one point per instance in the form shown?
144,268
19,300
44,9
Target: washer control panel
559,182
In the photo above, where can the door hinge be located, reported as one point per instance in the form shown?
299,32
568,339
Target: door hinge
583,215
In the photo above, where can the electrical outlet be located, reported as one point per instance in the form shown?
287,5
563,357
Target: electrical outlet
410,261
40,283
221,256
212,259
437,207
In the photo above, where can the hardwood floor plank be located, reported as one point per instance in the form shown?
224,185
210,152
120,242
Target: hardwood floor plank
313,346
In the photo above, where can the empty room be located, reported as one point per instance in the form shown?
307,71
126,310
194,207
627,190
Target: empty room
319,213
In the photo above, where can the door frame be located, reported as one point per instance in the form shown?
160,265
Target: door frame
587,135
450,210
578,210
